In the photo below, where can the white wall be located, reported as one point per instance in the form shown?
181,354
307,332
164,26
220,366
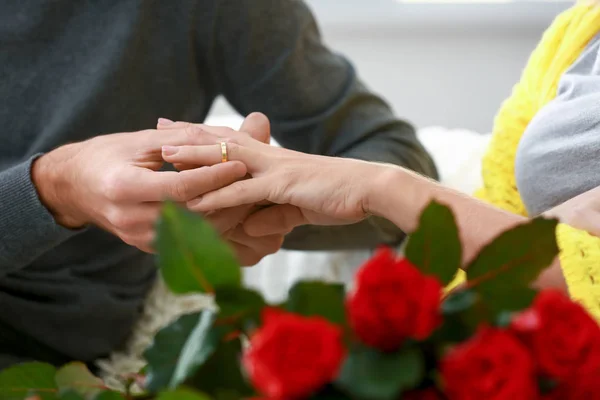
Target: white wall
437,64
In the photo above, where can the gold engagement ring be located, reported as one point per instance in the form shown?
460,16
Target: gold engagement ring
223,152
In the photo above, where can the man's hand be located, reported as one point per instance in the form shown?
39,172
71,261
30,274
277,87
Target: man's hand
256,126
114,182
228,221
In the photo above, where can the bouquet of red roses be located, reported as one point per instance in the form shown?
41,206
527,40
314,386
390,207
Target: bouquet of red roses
397,334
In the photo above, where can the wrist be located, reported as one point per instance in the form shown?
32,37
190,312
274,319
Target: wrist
380,188
392,190
51,175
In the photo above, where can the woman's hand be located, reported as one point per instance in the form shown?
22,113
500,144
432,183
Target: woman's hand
229,222
581,212
307,189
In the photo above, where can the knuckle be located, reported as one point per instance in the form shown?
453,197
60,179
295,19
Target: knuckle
241,188
290,218
144,241
251,228
114,187
128,239
148,238
113,216
180,190
252,259
217,176
274,244
119,219
280,192
220,224
228,131
192,131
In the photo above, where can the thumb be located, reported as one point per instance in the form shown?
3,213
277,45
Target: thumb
258,126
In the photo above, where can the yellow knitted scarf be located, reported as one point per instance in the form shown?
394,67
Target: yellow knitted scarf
559,48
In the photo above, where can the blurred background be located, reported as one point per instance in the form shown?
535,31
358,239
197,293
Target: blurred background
443,63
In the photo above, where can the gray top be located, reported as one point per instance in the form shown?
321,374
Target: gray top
558,156
70,70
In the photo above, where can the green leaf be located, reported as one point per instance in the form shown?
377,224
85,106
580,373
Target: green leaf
71,395
77,377
318,299
164,352
221,376
239,303
519,298
182,394
435,246
504,270
370,374
180,348
191,255
18,381
109,395
200,344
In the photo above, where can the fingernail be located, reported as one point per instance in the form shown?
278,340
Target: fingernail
169,150
164,122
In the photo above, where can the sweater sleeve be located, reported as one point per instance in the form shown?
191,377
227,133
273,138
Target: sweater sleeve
27,229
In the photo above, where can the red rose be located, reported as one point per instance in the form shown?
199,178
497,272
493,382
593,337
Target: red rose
291,356
563,337
393,301
493,364
425,394
582,387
